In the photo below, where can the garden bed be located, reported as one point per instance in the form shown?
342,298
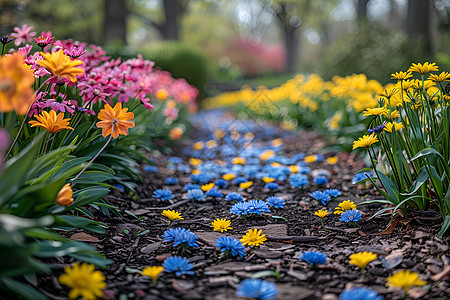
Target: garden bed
134,241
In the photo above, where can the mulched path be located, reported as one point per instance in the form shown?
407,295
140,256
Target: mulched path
405,243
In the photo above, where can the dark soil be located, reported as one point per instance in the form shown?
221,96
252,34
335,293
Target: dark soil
403,243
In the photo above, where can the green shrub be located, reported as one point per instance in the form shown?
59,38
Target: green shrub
180,60
371,51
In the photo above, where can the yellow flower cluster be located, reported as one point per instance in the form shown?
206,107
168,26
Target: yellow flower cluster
309,92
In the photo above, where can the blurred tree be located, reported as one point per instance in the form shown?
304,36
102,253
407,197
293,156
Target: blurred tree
172,11
114,24
361,9
418,22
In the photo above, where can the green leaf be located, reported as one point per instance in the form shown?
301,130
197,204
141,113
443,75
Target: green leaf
390,187
444,227
422,177
437,182
15,170
23,290
44,234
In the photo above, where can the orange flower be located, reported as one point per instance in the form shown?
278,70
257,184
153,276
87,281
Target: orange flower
61,65
15,85
51,122
64,197
176,133
116,118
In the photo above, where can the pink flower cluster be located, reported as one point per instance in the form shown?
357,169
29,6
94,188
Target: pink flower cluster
104,78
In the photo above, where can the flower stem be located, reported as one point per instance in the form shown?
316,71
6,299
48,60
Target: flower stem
92,160
21,126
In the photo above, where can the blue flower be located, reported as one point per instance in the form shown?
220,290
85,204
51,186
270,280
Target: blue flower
184,168
201,178
360,293
192,186
378,129
175,160
171,180
320,180
351,216
275,202
361,176
298,180
179,265
221,183
257,207
333,192
196,194
321,196
272,186
314,258
215,193
120,187
179,236
150,169
240,208
234,197
163,194
239,180
234,246
257,289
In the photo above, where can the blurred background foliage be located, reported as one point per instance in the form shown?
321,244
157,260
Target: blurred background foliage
220,45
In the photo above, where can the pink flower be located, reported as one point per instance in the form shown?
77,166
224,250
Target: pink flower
23,34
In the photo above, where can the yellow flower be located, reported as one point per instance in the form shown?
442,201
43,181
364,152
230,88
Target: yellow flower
207,187
294,169
15,85
51,122
267,154
361,259
229,176
253,237
275,164
211,144
238,161
249,136
84,281
162,94
417,84
423,69
219,134
235,135
388,94
195,161
366,141
332,160
221,224
397,126
401,75
444,76
196,172
116,118
64,196
198,146
153,272
61,65
277,142
172,215
246,185
404,280
268,179
344,206
310,158
321,213
394,114
377,111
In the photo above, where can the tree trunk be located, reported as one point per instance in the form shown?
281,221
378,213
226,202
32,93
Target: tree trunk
361,9
418,22
290,46
115,27
170,26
